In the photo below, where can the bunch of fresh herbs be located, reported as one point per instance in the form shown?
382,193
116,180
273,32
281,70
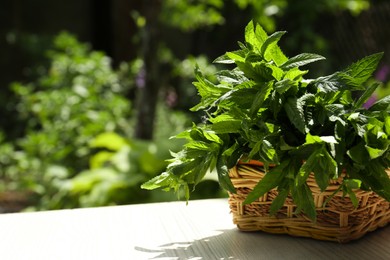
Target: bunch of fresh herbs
263,109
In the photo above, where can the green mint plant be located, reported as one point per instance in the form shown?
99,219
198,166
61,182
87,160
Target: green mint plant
264,109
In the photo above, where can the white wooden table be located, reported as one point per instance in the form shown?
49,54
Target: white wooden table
201,230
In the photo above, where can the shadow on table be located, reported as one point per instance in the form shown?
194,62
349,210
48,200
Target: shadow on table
213,247
234,244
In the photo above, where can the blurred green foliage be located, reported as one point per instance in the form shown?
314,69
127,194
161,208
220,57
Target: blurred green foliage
190,15
116,169
79,97
76,149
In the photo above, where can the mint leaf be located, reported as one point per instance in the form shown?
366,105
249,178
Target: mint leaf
235,77
202,146
325,169
185,167
303,198
253,57
362,70
260,97
294,110
257,71
328,84
306,169
233,154
301,60
358,153
335,112
272,39
223,175
320,163
242,98
278,202
313,139
352,183
284,85
269,153
295,74
208,163
387,124
237,56
163,180
225,124
207,90
255,35
381,105
255,149
271,180
376,177
377,141
375,152
224,59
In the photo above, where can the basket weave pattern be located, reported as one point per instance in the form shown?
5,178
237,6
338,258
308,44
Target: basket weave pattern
338,221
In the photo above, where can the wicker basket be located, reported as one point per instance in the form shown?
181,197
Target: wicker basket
338,221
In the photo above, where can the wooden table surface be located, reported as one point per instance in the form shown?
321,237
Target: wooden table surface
172,230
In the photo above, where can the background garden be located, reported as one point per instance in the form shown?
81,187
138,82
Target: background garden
91,91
